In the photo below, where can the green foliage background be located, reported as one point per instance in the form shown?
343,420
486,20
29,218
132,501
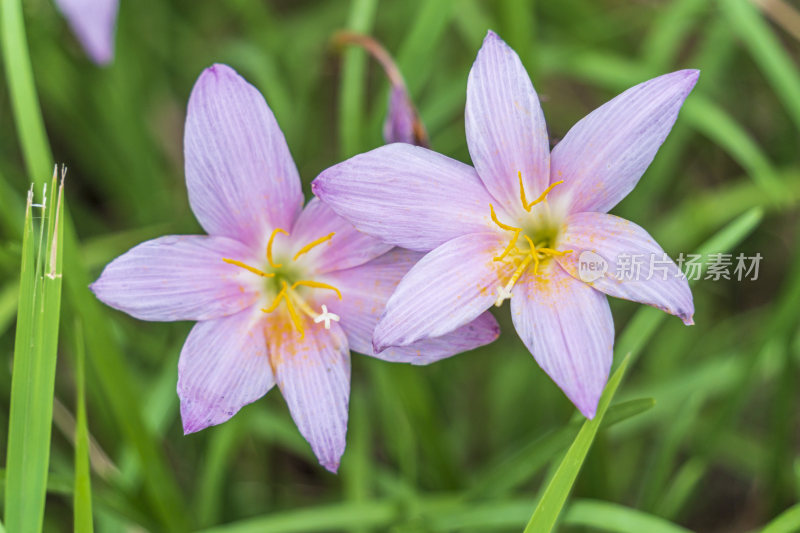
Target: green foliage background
704,433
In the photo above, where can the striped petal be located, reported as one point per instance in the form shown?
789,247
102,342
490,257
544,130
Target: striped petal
568,328
223,366
179,277
506,131
407,196
603,156
365,291
313,373
448,288
241,178
635,267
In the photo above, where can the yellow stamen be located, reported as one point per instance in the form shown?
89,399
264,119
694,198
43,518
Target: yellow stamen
317,285
308,247
512,243
277,301
269,246
247,267
541,197
550,251
534,253
298,323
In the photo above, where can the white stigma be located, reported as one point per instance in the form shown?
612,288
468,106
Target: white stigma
503,294
326,317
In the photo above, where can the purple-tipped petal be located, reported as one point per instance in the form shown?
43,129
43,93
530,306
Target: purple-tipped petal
365,291
448,288
637,267
603,156
93,22
568,328
241,178
223,366
179,277
402,123
506,131
348,247
313,373
407,196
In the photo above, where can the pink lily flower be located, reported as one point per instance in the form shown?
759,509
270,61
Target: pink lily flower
94,23
516,225
281,293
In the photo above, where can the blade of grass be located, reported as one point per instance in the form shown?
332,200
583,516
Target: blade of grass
33,376
607,516
786,522
82,504
555,495
353,85
104,354
767,51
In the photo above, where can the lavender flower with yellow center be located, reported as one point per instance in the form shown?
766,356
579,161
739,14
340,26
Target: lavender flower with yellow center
514,226
281,293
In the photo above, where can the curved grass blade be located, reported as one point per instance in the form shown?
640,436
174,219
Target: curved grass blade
606,516
33,376
82,500
555,495
786,522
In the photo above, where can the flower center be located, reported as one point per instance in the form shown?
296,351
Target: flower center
282,279
536,249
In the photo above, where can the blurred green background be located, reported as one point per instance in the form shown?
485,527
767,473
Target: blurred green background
467,443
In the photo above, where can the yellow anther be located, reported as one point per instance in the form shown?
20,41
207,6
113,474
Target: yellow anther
502,226
541,197
317,285
513,242
308,247
269,246
277,301
296,320
247,267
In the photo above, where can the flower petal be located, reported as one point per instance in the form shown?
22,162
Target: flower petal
603,156
348,247
365,291
407,196
241,178
178,277
506,131
93,22
448,288
223,366
568,328
623,245
313,373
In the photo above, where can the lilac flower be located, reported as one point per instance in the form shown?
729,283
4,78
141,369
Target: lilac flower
280,292
93,22
515,226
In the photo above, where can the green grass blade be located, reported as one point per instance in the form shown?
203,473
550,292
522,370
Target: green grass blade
24,100
767,51
33,376
82,503
353,86
606,516
786,522
555,495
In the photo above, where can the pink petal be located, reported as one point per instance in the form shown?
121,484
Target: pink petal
506,131
348,247
657,280
223,366
179,277
568,328
407,196
241,178
93,22
603,156
366,289
402,124
448,288
313,373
